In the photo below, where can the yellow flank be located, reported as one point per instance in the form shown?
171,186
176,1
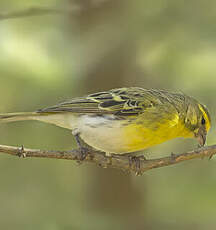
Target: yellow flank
139,137
206,117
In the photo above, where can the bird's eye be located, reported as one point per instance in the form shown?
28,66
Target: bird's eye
203,121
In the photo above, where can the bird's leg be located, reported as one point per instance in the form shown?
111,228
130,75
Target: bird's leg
136,161
82,148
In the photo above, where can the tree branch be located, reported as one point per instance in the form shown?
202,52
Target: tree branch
35,11
138,165
41,10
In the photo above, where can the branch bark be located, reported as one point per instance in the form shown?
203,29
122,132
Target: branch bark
139,165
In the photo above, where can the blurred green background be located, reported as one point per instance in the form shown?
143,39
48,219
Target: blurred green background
104,44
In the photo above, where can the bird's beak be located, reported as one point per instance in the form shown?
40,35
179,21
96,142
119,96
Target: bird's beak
201,136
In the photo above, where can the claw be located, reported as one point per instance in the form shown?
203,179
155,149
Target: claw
135,161
210,157
83,153
199,146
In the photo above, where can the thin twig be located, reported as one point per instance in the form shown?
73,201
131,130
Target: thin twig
122,162
35,11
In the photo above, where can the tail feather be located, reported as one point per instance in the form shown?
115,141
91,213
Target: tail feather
62,120
10,117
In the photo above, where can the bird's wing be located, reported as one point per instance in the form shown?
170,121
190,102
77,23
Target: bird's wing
120,102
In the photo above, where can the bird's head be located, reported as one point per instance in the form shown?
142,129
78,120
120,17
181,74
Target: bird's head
198,120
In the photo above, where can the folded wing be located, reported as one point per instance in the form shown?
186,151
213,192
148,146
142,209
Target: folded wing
120,102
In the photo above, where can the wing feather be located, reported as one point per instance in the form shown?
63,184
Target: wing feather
120,102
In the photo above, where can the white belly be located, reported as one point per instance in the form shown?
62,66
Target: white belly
102,133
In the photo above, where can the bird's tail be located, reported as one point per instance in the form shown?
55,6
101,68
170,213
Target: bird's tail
10,117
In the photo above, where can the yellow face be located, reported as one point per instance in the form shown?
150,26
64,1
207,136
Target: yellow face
198,121
143,135
205,120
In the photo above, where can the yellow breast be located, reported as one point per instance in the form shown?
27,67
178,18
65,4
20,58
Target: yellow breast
138,137
123,136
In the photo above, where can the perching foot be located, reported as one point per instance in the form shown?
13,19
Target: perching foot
83,150
133,160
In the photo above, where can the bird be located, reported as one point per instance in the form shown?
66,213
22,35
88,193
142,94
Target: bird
125,120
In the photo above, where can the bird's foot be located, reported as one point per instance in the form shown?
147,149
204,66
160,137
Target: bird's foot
200,146
134,161
83,153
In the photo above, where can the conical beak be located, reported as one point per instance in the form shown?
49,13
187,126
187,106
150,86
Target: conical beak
201,136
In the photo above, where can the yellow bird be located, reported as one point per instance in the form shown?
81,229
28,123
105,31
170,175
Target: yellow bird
126,120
